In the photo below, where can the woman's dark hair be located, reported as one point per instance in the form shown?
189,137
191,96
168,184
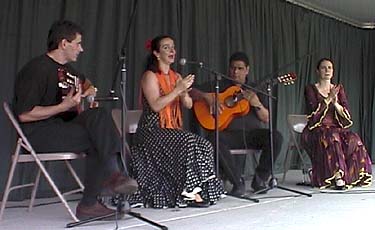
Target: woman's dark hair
62,30
322,60
152,61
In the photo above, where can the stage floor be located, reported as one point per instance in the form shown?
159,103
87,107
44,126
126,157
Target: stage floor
277,210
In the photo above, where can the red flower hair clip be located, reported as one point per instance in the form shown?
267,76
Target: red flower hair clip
148,45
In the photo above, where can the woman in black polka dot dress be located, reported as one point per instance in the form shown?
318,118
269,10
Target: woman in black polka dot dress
172,167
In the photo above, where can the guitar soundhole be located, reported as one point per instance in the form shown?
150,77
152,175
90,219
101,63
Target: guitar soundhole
231,101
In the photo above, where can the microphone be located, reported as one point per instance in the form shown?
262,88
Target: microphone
183,61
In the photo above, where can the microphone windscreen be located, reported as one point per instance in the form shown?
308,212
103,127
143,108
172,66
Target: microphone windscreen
182,61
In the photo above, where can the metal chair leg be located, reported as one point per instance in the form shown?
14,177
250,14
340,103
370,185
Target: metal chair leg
9,183
33,193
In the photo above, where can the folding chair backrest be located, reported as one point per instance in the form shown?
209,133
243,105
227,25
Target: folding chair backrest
297,122
25,143
131,120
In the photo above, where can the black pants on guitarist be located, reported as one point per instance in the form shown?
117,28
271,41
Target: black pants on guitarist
253,139
92,132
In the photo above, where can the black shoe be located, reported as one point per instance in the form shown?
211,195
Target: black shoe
238,190
259,186
84,212
195,204
340,184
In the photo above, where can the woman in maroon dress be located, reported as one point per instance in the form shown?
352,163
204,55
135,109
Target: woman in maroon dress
338,155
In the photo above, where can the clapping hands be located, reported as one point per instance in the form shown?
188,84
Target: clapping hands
332,95
183,85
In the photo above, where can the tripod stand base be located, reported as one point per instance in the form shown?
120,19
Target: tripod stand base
133,214
121,204
74,224
304,184
273,184
244,197
138,216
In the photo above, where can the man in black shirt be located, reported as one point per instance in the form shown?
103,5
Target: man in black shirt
246,131
45,115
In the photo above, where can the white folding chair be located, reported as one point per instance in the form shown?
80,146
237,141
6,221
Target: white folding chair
131,120
248,167
23,153
296,124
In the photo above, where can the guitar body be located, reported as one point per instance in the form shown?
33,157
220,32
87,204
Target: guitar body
234,105
67,82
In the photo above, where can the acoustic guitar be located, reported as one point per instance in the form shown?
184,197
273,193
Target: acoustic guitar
234,105
68,81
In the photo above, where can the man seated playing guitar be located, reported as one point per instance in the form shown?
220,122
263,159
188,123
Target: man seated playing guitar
40,104
246,128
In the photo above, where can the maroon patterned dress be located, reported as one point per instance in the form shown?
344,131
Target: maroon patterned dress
332,147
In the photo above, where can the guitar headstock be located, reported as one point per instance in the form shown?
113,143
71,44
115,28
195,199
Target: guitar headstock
287,79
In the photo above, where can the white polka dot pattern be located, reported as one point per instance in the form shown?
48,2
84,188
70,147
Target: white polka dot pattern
168,161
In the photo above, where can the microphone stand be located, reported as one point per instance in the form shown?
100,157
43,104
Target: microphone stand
273,181
218,77
120,199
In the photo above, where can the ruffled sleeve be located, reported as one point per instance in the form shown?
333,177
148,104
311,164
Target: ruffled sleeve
343,117
317,108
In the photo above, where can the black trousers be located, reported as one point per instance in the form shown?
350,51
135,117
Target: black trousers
254,139
92,131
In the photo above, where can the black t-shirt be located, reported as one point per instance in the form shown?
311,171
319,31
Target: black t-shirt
239,123
37,85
